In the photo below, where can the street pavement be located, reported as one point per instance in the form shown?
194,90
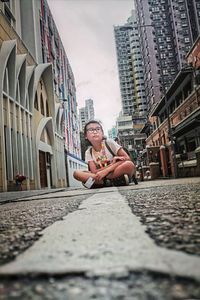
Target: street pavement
111,243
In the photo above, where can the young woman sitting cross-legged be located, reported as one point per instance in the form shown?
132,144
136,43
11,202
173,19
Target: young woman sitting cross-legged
108,163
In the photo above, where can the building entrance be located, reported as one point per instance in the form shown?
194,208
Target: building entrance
43,170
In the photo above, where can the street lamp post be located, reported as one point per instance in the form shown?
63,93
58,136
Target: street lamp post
64,102
165,97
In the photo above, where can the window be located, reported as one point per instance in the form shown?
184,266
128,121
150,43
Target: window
41,105
183,16
8,14
191,144
36,102
47,109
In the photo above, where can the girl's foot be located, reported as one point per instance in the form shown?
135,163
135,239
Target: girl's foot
121,181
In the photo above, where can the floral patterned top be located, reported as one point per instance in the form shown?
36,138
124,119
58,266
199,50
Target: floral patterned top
103,157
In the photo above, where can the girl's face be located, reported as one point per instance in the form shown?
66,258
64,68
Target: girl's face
94,132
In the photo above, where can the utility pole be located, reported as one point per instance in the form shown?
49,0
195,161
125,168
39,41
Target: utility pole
64,104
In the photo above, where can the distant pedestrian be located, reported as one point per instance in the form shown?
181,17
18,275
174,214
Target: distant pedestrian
108,163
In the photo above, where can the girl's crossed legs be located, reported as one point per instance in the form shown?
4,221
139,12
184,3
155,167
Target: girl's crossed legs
126,167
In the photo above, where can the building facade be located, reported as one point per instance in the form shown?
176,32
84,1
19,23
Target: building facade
130,70
31,144
179,150
167,30
129,135
52,115
39,32
89,109
131,80
86,113
112,133
123,49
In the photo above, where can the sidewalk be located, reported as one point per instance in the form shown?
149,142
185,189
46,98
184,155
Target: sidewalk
6,197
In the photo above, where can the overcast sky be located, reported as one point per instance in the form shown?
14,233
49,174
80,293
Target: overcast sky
86,30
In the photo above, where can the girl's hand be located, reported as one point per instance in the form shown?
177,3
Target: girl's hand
119,158
101,174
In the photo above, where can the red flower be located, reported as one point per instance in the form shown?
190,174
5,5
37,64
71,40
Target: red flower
20,177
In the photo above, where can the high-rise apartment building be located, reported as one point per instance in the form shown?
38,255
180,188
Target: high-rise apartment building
123,48
130,68
167,30
82,118
86,113
112,133
89,109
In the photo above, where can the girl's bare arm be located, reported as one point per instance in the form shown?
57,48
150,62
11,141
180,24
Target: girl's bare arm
100,174
117,160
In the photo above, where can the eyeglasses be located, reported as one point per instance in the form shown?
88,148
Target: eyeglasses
92,130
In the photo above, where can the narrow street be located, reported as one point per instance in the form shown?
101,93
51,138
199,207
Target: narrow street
135,242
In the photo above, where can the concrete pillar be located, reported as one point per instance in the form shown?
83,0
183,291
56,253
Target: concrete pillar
141,174
163,158
154,170
197,152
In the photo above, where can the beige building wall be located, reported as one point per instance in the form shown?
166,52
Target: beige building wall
31,138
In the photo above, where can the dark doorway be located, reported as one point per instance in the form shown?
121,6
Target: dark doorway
43,170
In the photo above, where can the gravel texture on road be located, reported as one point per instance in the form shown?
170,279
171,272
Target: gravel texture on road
22,222
171,215
137,286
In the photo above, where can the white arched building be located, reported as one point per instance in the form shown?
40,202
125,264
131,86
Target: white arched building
31,130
